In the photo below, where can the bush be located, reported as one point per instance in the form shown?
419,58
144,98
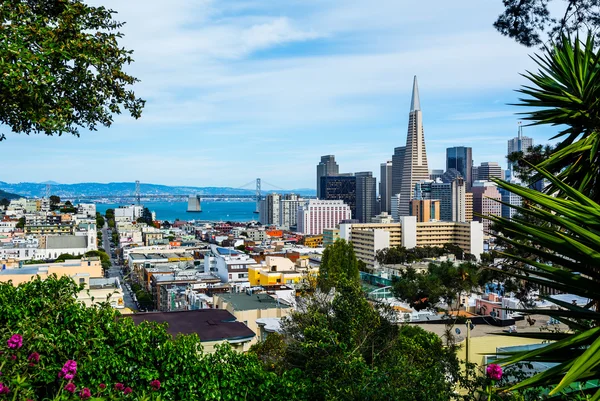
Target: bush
109,349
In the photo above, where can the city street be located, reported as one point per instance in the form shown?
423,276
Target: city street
115,269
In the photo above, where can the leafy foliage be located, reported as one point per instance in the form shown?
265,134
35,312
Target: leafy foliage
400,255
110,349
62,67
443,282
566,253
566,92
349,349
527,21
337,264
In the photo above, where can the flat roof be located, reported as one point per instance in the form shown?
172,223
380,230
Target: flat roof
243,301
209,324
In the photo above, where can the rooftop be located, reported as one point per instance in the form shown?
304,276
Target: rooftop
243,301
209,324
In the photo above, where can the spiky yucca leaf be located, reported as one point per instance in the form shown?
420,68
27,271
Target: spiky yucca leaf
565,255
566,91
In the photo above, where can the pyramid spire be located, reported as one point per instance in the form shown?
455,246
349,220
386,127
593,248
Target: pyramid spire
415,103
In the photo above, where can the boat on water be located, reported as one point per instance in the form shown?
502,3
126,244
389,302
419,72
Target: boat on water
194,204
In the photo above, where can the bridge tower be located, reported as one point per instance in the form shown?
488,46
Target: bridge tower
137,191
258,196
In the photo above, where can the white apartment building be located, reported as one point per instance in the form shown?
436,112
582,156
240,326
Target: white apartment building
128,213
315,215
88,209
229,265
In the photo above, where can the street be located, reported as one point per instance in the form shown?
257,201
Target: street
115,269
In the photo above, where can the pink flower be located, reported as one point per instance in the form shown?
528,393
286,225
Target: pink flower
119,386
102,386
494,371
15,341
34,357
127,390
13,357
85,393
4,389
68,370
70,387
155,384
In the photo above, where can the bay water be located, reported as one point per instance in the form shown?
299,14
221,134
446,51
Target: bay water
236,211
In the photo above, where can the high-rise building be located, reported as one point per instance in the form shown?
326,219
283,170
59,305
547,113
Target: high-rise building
519,143
288,210
452,197
510,198
488,170
425,209
415,166
340,187
366,196
385,187
269,210
315,215
486,199
397,167
461,159
327,166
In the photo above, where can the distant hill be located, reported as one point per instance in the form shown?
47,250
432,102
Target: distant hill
8,195
31,189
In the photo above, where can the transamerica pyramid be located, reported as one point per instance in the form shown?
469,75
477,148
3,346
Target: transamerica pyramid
415,158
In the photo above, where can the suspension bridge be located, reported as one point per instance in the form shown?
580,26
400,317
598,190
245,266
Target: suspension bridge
137,194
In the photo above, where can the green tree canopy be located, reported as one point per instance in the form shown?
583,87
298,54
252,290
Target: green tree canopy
62,67
337,264
529,21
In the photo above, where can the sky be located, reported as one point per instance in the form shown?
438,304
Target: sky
240,89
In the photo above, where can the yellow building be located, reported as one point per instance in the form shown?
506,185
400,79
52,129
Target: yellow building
274,271
314,241
247,308
79,270
469,206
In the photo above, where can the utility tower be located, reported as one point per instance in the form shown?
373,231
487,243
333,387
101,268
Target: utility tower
137,191
258,196
48,187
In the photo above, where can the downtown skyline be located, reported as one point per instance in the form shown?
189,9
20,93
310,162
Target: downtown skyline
239,92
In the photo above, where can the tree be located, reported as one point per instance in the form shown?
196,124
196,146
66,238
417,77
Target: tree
21,223
564,257
62,67
349,349
337,264
166,224
54,202
4,203
441,283
565,92
528,21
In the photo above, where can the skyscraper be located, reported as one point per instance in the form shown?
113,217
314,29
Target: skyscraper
366,196
385,187
327,166
316,215
397,167
461,159
340,187
269,210
415,158
519,143
487,170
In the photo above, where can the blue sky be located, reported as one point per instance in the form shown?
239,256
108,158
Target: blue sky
240,89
